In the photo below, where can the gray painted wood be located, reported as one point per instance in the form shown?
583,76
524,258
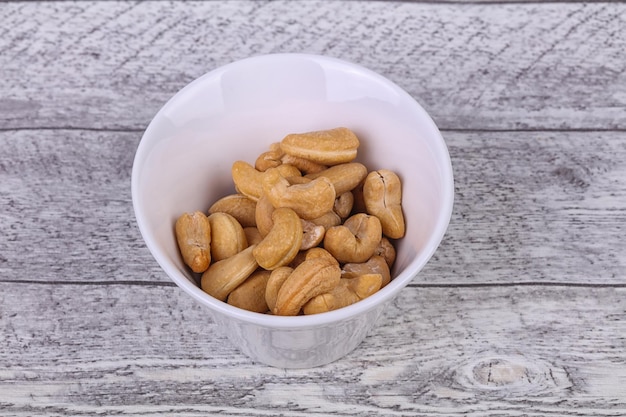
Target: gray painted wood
487,351
473,66
520,312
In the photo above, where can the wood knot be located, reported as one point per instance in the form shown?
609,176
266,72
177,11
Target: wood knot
499,372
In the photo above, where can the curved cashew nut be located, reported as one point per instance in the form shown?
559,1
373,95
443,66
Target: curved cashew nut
304,165
382,194
309,279
312,234
227,236
193,235
250,294
308,200
387,251
345,177
276,280
270,158
326,147
224,276
248,181
343,204
263,215
239,206
283,241
356,240
374,265
347,292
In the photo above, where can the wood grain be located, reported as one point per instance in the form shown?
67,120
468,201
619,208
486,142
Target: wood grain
150,350
529,207
111,65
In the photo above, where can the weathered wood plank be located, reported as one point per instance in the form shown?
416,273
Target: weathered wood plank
530,207
473,66
149,350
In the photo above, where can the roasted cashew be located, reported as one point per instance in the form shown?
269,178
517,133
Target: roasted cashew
355,240
387,251
276,280
382,194
327,220
309,200
227,236
239,206
250,294
248,180
347,292
343,204
283,241
312,234
345,177
326,147
263,215
224,276
304,165
253,236
374,265
270,158
193,235
309,279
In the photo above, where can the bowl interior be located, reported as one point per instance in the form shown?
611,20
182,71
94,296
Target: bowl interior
184,160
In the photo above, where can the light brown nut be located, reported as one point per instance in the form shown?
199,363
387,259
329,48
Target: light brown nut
263,215
312,234
276,280
250,294
327,220
374,265
298,180
343,205
387,251
253,236
320,253
349,291
224,276
248,180
345,177
309,279
382,194
239,206
355,240
326,147
289,171
227,236
309,200
193,234
304,165
270,158
283,241
359,205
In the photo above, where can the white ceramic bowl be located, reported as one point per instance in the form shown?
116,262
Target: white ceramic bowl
184,160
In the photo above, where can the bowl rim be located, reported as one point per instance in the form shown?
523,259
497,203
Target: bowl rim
279,322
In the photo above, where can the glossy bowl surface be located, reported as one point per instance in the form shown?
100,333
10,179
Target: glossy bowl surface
183,163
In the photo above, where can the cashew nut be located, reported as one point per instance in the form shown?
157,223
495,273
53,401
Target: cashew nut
343,204
374,265
193,234
347,292
387,251
263,215
326,147
276,280
382,194
355,240
227,236
253,236
309,279
308,200
345,177
239,206
248,181
304,165
312,234
250,294
270,158
224,276
283,241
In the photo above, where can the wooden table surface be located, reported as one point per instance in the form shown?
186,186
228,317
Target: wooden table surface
521,312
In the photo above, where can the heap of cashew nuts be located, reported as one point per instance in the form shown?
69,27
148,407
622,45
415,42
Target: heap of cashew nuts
308,230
